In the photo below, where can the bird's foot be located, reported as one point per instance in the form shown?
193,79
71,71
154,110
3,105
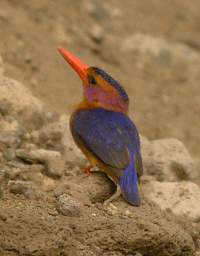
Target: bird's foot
113,197
87,170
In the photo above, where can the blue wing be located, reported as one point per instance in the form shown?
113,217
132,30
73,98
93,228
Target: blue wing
111,136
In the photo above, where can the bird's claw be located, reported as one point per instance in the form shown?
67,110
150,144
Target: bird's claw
113,197
87,170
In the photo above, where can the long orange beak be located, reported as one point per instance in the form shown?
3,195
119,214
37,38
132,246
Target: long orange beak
75,63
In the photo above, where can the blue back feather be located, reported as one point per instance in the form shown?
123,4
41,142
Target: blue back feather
129,183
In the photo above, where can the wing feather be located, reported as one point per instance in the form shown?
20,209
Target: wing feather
108,135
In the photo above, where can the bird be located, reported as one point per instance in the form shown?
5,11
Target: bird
102,129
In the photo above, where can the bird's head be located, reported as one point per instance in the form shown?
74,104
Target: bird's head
100,89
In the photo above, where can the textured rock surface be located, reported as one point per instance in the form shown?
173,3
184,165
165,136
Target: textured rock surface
68,206
26,188
53,161
71,151
168,160
34,228
16,100
160,51
182,198
57,136
9,124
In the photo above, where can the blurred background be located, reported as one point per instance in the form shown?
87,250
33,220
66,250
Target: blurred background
151,47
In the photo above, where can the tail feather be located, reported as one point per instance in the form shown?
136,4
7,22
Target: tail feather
129,184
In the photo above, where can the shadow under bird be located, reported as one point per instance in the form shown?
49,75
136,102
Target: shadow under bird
103,131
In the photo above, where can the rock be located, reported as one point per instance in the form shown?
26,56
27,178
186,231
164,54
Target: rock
52,160
182,198
173,66
57,136
99,188
3,181
1,67
29,146
16,100
50,135
11,135
97,10
31,173
26,172
168,160
71,151
10,139
26,188
30,229
68,206
9,124
48,184
96,32
92,189
158,50
1,158
11,132
2,176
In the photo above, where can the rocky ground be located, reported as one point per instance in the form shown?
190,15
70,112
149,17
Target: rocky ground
47,204
49,207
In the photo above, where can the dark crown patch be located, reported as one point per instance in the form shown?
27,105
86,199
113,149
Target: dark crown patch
113,82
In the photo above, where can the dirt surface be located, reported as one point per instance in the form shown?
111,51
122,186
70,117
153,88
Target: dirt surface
35,227
164,96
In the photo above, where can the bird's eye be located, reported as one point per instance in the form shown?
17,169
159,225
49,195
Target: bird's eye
92,80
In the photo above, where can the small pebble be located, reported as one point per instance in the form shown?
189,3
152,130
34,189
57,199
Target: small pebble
68,206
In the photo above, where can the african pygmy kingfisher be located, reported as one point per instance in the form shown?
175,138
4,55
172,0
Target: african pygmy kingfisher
103,131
